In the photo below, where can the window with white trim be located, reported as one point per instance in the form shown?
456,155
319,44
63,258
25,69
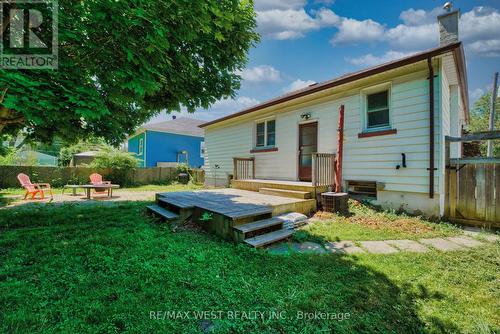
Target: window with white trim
141,146
265,133
377,110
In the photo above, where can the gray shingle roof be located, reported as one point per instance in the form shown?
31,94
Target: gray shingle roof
180,125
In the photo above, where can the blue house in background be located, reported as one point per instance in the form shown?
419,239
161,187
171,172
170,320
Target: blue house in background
179,140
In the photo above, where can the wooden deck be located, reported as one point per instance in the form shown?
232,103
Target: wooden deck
238,204
234,214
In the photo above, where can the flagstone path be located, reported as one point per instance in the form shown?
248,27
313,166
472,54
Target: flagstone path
470,240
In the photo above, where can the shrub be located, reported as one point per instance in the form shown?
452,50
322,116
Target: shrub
120,164
114,159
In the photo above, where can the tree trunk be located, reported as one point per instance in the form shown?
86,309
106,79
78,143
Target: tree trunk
8,116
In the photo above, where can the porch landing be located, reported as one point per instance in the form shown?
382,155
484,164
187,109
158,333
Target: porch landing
257,184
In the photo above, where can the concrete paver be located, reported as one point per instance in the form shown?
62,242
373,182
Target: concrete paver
408,245
378,247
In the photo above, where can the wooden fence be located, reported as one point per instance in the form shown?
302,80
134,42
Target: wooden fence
472,186
59,176
474,194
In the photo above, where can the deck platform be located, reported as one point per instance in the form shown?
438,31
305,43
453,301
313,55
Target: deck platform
237,203
234,214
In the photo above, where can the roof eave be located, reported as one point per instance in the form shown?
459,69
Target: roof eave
350,78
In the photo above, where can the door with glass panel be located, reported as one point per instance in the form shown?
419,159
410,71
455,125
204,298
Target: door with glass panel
308,144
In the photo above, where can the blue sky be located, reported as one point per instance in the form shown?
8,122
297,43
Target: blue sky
306,41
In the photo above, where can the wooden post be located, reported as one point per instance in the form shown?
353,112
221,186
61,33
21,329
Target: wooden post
314,162
492,112
452,195
235,168
253,168
340,146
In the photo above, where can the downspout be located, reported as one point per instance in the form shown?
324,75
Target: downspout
340,147
431,127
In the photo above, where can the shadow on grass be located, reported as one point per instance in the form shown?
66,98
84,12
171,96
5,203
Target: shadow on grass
7,200
78,268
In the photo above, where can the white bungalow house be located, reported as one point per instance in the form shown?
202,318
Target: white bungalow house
396,116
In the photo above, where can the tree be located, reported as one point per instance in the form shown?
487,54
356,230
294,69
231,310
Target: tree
122,62
66,153
479,121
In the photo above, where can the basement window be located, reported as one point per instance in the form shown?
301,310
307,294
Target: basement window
362,188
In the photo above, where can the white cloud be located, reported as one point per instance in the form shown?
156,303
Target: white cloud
220,108
488,48
352,31
240,102
284,24
297,84
371,60
261,73
416,17
476,94
479,30
413,37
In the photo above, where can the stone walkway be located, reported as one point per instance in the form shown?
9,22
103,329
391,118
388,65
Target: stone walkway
386,246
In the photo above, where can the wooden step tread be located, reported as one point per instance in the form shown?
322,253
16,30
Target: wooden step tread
177,203
258,225
286,193
268,238
162,212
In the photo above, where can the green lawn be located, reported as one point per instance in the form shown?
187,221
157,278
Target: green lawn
367,223
149,187
104,269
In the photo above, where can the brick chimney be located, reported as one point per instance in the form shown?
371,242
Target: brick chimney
448,27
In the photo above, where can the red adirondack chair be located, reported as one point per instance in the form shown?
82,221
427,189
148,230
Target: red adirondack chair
34,188
96,178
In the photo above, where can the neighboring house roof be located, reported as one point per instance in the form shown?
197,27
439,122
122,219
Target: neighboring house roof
458,55
86,154
180,125
41,158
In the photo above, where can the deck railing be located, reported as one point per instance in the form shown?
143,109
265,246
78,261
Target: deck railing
243,168
323,169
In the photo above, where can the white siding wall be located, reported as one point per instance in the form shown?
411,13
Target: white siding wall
376,158
223,144
367,159
220,148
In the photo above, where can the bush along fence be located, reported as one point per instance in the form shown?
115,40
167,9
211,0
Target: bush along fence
60,176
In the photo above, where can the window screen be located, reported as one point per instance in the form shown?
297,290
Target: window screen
271,132
378,109
261,134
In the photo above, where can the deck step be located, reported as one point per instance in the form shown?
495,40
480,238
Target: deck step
178,203
268,238
258,225
286,193
156,209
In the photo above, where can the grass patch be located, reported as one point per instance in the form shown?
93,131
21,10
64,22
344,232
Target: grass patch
368,223
95,268
150,187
